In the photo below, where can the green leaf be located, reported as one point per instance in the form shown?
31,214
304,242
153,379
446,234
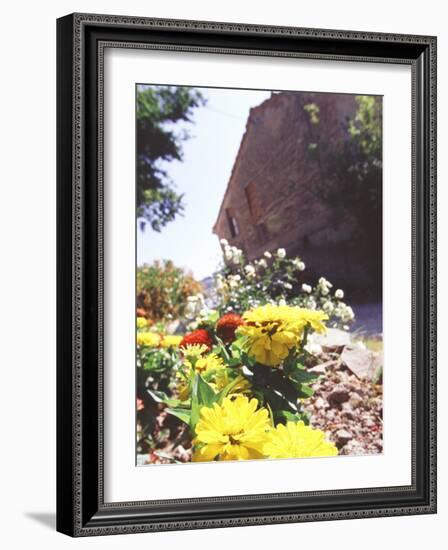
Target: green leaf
248,360
181,414
282,417
206,394
239,344
225,391
303,376
277,401
298,373
202,395
304,391
234,361
300,378
222,350
161,397
158,361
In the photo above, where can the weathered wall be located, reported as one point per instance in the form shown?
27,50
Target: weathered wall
274,165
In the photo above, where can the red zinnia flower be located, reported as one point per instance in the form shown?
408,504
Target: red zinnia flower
227,325
198,336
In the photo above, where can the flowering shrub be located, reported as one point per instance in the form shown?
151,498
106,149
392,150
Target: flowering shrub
278,280
163,290
237,385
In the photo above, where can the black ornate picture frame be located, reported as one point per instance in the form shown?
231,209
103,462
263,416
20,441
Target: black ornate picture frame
81,509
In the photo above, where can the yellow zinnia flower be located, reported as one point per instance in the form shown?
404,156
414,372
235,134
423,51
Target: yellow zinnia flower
148,339
295,440
171,341
192,351
273,330
209,363
312,317
203,364
235,430
219,376
141,322
222,379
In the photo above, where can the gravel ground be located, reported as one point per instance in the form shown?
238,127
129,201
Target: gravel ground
349,410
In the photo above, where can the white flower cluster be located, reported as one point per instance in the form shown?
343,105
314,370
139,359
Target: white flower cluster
197,311
281,253
232,254
250,271
274,278
299,264
195,306
344,312
233,281
324,286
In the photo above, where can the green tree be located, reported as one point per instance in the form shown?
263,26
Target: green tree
349,174
163,114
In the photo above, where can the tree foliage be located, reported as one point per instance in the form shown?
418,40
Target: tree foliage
348,178
349,175
163,114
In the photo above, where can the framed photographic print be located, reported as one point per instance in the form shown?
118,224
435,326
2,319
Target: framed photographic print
246,274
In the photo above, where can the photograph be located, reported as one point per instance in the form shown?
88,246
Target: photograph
246,275
259,258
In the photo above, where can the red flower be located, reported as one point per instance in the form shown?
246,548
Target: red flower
199,336
227,325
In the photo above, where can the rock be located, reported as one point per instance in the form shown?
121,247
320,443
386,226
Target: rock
342,437
318,369
363,363
320,403
348,410
322,368
355,400
338,396
354,447
333,340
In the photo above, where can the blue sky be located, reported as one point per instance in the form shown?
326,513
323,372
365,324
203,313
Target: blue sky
202,176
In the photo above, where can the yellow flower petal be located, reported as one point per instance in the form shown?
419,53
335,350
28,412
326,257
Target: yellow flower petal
235,430
272,331
295,440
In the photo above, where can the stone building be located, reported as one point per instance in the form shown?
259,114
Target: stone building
272,197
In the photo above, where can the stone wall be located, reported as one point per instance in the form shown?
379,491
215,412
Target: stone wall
272,201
